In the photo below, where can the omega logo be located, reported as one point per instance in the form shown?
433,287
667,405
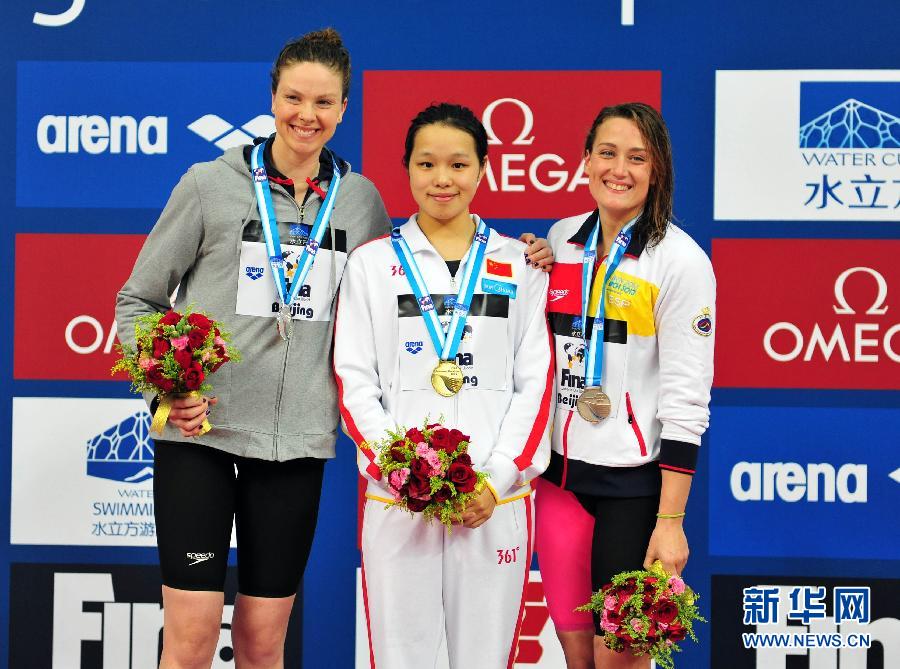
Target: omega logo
864,337
512,177
62,19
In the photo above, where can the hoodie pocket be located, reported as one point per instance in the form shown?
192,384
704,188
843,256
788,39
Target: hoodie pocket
632,420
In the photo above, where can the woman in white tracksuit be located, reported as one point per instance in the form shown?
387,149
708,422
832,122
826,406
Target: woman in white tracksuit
419,581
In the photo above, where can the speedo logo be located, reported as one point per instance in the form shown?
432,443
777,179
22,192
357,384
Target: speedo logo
556,294
199,557
96,134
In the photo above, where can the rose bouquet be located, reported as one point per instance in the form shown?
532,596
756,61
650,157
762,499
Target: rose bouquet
429,471
173,355
646,612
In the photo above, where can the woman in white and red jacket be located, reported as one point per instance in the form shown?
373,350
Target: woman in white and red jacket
632,396
418,580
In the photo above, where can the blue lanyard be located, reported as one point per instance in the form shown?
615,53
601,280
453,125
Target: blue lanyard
270,226
445,346
593,366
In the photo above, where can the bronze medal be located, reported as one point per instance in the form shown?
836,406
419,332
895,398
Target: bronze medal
593,404
447,378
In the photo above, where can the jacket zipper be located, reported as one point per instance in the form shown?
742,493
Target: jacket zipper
634,425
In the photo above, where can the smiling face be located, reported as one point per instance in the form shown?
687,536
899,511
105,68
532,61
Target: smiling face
307,105
444,172
619,170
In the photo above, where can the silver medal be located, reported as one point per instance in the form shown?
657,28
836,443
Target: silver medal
285,322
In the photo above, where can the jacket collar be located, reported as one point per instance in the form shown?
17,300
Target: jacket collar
635,246
418,242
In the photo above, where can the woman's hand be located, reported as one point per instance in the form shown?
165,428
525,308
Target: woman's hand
669,545
539,253
479,509
188,413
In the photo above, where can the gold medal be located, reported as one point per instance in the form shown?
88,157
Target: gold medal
447,378
593,404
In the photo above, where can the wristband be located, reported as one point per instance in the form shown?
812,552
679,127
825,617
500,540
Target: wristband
670,516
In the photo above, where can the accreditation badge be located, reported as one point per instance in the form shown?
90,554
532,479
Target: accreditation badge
256,294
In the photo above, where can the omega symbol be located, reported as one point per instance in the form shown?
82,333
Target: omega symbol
527,122
877,308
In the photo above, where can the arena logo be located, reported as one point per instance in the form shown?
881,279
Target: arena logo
844,163
224,135
535,167
64,18
827,316
791,482
124,452
94,134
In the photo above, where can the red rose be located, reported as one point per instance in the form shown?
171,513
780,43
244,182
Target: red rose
193,376
420,467
456,437
160,347
184,358
222,355
200,321
431,426
649,581
676,632
197,338
420,488
464,459
417,505
462,476
443,494
155,376
440,440
652,631
628,587
397,454
665,611
415,436
623,634
171,318
614,616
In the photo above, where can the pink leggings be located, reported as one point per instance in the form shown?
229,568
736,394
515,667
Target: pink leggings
563,536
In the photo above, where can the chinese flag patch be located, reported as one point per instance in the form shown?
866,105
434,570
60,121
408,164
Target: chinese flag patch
499,268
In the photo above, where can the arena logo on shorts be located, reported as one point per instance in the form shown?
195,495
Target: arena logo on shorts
499,288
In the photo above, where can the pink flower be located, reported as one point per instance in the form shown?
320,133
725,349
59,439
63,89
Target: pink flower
610,602
180,343
431,457
398,477
637,624
677,585
219,341
206,356
146,363
607,626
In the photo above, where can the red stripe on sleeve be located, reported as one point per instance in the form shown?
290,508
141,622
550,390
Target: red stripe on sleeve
543,415
678,469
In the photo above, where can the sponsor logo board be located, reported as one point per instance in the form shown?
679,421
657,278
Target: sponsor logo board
101,616
816,314
109,121
819,145
75,339
802,628
538,645
83,478
803,482
535,167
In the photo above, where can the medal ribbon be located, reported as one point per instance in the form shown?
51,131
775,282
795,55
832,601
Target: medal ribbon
447,345
270,226
593,366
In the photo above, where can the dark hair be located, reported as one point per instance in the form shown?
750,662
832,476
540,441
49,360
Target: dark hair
320,46
654,220
454,116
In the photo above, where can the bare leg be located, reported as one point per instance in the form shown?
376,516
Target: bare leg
258,630
191,624
578,647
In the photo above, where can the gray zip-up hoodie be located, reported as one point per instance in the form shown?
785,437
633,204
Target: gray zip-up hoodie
280,401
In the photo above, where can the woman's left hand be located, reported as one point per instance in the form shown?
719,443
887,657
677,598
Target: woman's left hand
669,545
479,509
539,254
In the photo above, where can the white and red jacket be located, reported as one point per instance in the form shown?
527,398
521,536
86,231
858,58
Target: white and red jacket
383,358
657,361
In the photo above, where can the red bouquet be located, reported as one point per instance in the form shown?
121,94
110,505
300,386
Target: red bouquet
174,354
429,471
646,612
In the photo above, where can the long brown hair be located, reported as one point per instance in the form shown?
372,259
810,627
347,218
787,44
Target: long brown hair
651,227
320,46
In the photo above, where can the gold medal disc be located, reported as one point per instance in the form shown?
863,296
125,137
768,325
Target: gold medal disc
593,404
447,378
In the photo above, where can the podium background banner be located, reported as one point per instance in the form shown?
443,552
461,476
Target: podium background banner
785,122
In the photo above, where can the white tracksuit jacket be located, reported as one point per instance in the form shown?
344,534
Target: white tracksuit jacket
658,355
384,356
